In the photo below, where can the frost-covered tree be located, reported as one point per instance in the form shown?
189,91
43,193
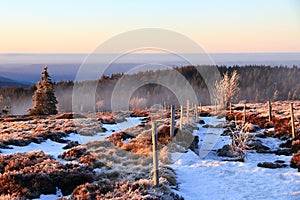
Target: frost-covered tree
226,89
44,99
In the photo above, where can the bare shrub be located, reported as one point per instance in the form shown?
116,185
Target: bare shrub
226,89
138,103
239,143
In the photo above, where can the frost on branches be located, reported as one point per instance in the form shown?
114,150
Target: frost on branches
226,89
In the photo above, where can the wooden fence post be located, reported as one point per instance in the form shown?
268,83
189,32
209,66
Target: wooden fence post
181,117
196,112
216,109
230,108
172,121
292,120
270,110
187,111
155,155
244,118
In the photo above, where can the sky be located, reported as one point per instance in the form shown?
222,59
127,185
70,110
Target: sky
219,26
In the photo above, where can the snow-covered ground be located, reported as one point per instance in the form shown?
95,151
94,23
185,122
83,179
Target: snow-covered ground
212,178
55,148
48,147
111,128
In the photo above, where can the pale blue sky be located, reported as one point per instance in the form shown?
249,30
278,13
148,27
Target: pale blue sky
75,26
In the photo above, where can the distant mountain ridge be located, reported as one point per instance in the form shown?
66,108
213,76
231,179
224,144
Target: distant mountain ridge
6,82
63,67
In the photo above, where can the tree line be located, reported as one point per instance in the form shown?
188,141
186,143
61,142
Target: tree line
257,83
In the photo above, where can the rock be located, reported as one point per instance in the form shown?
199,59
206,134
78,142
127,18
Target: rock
287,143
258,146
260,135
17,142
240,108
250,128
204,114
226,132
229,125
279,161
71,144
207,126
227,151
4,146
37,140
194,145
200,121
271,165
285,152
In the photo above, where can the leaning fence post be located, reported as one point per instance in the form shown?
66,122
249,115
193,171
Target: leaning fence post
292,120
187,111
244,118
181,117
270,110
155,155
172,121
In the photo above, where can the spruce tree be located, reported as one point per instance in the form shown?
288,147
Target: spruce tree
44,99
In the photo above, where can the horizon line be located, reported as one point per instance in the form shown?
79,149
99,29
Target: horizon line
86,53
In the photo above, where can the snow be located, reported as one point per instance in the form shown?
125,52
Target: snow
211,178
52,196
210,137
55,148
111,128
48,147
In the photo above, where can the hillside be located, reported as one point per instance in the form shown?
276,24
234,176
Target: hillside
6,82
257,84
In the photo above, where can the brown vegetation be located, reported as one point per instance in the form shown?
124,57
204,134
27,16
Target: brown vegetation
32,174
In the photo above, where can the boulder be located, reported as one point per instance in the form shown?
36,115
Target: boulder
200,121
194,145
227,151
285,152
287,143
71,144
258,146
271,165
